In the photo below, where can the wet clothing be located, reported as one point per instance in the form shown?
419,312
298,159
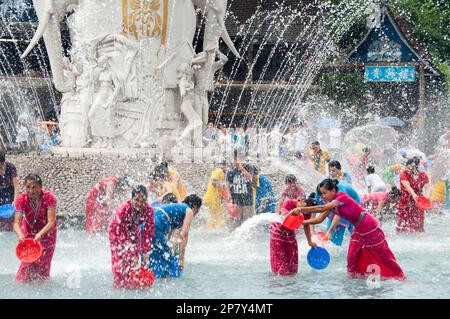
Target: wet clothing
440,197
182,193
34,219
241,188
6,184
128,240
296,193
213,201
264,194
319,159
7,194
339,231
375,183
283,243
390,172
409,217
98,213
372,200
368,246
168,217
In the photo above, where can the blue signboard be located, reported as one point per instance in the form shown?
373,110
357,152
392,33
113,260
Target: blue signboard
389,73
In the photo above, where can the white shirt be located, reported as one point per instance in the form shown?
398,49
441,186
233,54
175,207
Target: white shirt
335,138
375,183
22,134
224,141
300,141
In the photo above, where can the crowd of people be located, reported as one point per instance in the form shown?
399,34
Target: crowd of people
258,142
151,229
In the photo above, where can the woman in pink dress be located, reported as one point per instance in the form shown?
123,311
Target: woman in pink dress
128,239
368,246
380,204
283,243
293,190
35,217
412,182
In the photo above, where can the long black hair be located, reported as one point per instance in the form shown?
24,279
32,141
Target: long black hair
329,184
415,160
311,200
193,201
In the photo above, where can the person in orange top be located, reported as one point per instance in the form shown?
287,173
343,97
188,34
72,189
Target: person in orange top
175,178
159,184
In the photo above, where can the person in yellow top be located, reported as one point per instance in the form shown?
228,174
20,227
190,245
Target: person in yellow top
440,198
216,198
319,157
175,178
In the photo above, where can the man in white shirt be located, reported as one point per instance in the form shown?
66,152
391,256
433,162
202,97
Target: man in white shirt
374,182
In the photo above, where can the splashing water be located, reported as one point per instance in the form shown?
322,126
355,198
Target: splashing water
224,265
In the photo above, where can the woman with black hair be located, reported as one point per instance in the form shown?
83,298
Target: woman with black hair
293,190
381,204
160,184
35,217
368,246
169,218
412,183
128,239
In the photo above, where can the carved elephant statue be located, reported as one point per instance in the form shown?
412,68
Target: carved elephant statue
176,18
50,13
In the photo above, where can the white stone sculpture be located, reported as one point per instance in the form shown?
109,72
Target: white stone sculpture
101,113
204,83
186,85
142,101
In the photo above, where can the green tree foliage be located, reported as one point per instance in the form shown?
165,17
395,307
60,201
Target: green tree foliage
431,24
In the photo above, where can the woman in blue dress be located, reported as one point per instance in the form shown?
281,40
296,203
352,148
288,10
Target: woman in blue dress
168,218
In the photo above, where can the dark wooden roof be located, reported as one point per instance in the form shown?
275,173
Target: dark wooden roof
398,31
241,11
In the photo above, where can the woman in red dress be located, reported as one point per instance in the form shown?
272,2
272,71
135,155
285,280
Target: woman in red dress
412,182
99,201
128,240
368,249
35,217
283,243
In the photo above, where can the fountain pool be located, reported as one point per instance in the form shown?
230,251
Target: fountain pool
220,265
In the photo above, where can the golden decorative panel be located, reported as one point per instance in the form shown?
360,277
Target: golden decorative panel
145,18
